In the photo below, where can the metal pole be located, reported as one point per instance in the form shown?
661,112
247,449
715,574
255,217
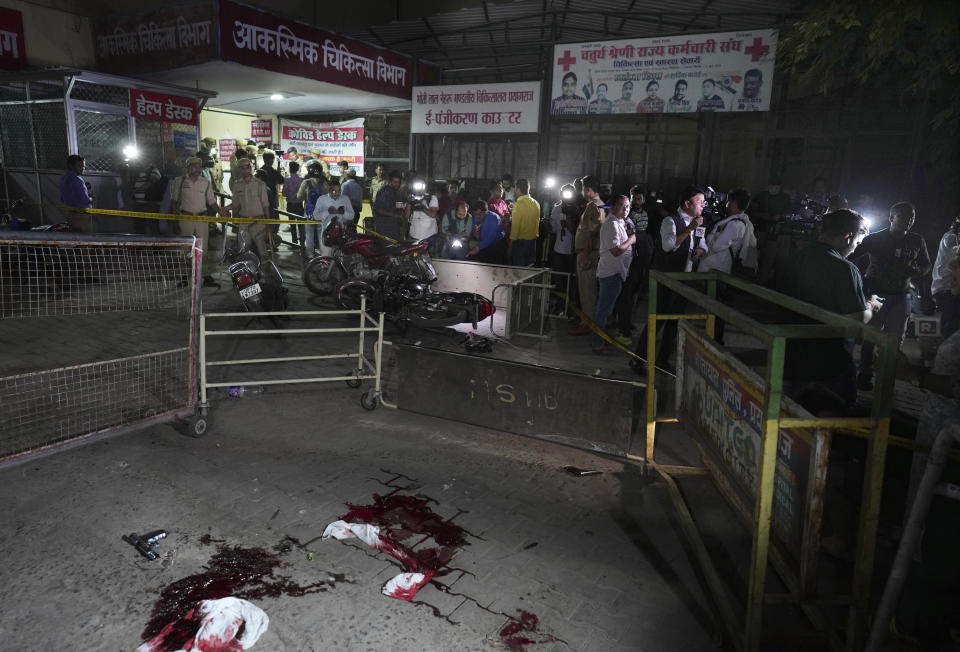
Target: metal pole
378,354
872,493
651,371
363,324
203,360
763,505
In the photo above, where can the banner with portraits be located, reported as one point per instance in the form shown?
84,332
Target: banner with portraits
333,141
729,71
475,108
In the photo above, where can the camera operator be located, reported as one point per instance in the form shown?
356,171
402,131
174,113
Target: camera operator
563,217
948,303
390,208
424,208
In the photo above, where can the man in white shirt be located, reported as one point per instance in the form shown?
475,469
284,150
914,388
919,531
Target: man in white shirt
616,252
424,208
329,205
682,245
730,240
730,235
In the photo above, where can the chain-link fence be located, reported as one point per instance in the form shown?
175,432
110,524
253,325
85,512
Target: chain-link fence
101,137
111,323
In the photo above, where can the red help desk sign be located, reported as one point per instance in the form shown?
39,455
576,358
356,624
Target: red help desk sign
165,108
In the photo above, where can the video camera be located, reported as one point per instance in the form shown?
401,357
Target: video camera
714,207
418,192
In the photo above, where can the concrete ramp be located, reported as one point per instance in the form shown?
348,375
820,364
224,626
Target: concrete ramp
598,414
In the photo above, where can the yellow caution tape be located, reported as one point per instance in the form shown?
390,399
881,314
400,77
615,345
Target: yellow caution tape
200,218
178,216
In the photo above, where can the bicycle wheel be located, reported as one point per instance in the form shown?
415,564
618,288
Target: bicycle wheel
322,276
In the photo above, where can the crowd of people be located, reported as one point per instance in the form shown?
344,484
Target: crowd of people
608,244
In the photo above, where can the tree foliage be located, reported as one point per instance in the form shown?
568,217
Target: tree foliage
906,47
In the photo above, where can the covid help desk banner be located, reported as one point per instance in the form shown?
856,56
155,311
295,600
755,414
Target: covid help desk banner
729,71
335,141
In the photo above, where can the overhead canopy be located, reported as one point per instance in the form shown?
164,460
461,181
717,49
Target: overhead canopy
248,89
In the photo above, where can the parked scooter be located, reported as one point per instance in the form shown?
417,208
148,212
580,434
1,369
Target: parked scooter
361,257
259,284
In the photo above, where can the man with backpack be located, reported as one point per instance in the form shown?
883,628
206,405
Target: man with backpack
732,248
313,188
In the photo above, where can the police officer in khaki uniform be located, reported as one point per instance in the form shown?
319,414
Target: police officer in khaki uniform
192,194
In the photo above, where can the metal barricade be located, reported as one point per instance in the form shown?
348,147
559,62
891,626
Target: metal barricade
366,368
98,332
767,456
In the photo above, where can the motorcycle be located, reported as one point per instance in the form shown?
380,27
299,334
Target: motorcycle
362,257
407,300
258,284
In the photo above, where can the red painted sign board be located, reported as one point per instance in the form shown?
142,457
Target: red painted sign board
261,130
165,108
255,38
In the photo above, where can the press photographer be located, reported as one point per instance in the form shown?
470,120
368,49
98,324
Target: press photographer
328,206
424,208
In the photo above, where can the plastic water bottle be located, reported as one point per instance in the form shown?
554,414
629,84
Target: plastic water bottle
240,391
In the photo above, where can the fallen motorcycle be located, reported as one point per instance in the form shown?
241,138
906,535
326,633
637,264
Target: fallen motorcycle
362,257
407,301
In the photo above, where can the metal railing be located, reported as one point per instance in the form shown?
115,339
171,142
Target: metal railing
366,368
771,420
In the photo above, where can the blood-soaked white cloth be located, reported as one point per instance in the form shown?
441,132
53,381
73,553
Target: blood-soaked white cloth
217,622
403,586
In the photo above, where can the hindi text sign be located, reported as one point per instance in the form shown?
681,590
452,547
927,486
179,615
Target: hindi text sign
730,71
722,407
476,108
261,130
165,108
157,40
256,38
336,141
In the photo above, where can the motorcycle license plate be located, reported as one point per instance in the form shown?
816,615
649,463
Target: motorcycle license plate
249,291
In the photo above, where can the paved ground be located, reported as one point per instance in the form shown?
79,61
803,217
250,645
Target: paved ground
596,559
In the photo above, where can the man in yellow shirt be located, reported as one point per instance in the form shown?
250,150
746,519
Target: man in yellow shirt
522,251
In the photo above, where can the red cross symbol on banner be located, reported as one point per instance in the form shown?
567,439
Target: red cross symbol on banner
566,61
757,50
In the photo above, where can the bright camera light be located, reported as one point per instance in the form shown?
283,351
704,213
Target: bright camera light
549,182
276,96
130,152
868,222
457,244
568,194
419,186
